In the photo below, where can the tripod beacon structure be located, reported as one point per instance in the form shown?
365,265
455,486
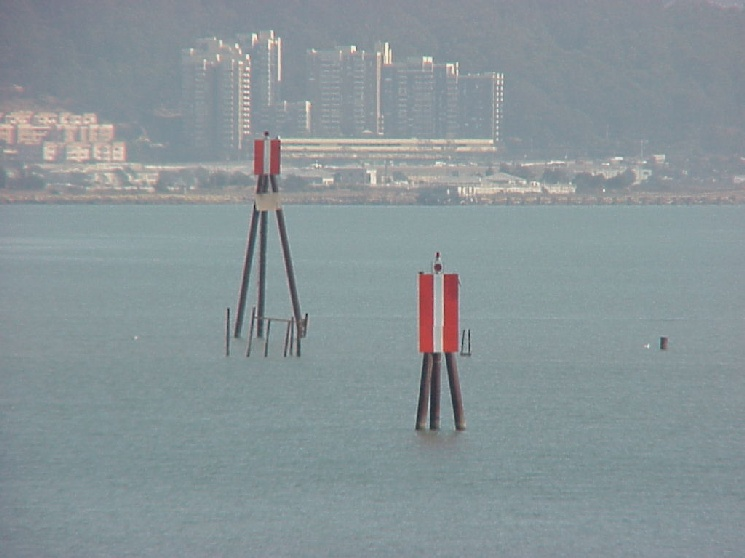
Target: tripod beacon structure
438,309
266,168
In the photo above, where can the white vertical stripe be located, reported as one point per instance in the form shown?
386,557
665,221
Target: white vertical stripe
439,311
267,156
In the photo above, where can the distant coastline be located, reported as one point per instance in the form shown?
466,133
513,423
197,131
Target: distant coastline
367,196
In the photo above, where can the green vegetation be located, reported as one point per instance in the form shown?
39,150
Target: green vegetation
581,78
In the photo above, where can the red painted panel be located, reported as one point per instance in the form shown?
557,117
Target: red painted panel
259,156
451,329
426,312
274,157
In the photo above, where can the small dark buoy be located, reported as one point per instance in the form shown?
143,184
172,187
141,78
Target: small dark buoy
663,343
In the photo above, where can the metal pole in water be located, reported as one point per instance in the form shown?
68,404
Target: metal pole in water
227,332
266,338
300,329
292,336
424,383
455,395
287,336
289,269
251,331
250,243
261,302
434,394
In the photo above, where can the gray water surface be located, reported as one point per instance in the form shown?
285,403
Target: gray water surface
125,431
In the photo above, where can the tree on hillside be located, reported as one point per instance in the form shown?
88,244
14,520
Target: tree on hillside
621,181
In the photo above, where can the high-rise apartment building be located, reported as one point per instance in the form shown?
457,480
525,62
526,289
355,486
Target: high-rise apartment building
343,87
265,50
234,91
447,124
382,56
216,99
353,91
293,118
408,98
324,85
481,98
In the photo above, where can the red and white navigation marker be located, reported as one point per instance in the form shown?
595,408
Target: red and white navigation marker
266,165
439,328
266,155
438,333
266,200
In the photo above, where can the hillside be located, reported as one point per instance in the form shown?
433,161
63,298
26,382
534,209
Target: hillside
592,76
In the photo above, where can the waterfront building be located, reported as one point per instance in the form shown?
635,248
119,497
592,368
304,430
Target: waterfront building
56,137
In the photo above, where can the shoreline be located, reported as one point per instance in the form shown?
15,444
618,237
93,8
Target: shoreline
368,197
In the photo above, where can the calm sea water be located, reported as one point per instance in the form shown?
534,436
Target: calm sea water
125,431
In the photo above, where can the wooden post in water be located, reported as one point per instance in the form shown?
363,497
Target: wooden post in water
663,343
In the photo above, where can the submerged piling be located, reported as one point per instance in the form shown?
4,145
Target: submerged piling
227,332
288,328
266,338
424,383
250,243
434,393
455,395
251,331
